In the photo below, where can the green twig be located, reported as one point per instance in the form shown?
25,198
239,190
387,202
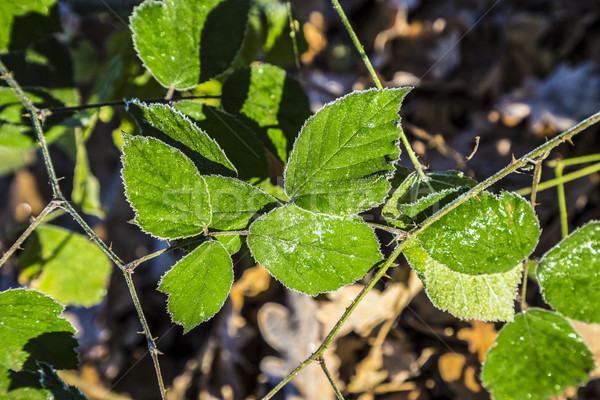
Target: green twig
414,159
562,201
294,37
36,221
357,44
580,173
398,232
60,201
338,394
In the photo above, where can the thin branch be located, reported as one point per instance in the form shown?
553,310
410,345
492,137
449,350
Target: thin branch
338,394
60,201
398,232
413,158
338,8
550,183
36,221
55,110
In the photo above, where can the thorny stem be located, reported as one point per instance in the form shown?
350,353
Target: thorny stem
60,201
357,44
398,232
537,152
338,394
580,173
36,221
537,174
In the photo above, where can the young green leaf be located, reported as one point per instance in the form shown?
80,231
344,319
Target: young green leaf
234,203
416,200
186,42
165,123
166,191
198,284
568,274
484,235
232,243
31,329
346,152
313,253
66,266
59,389
536,356
270,98
488,297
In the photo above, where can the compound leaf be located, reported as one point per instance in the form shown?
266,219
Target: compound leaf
484,235
234,203
66,266
345,154
488,297
198,284
415,200
31,329
568,274
313,253
186,42
172,127
166,191
536,356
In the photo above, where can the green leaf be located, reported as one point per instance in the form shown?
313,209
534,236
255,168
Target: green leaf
346,152
235,203
242,144
536,356
86,187
166,191
568,274
165,123
232,243
9,9
267,96
198,284
415,200
186,42
31,329
66,266
313,253
488,297
484,235
59,389
12,159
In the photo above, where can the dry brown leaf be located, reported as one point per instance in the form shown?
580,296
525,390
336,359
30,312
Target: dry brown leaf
450,366
254,281
480,337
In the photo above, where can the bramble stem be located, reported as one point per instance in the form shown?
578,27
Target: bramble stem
36,221
338,8
413,158
338,394
537,152
60,201
398,232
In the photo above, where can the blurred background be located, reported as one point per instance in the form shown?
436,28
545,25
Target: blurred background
492,80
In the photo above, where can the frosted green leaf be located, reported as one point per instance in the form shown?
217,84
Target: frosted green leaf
346,152
186,42
488,297
198,284
66,266
13,8
31,329
416,200
313,253
536,356
59,389
270,98
235,203
569,274
166,191
484,235
165,123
